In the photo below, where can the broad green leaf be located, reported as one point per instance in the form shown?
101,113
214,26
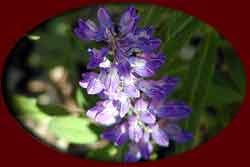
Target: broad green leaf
80,99
26,108
222,95
72,129
53,109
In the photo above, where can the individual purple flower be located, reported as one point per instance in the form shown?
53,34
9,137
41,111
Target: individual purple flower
98,58
105,113
141,107
135,130
87,30
176,133
173,110
91,82
159,136
158,89
137,110
117,134
146,64
128,21
144,40
142,149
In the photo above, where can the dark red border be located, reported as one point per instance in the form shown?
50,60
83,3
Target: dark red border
229,148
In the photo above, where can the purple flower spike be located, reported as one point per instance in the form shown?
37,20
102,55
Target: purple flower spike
136,110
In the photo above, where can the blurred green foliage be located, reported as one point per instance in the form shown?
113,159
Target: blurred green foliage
213,79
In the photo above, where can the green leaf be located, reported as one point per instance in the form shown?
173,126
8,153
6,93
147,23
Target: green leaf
105,154
26,108
196,85
80,98
222,95
148,15
53,109
72,129
235,68
180,29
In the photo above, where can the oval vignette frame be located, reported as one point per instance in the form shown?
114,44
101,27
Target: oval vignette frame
205,154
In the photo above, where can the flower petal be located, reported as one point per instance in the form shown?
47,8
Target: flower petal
92,112
148,117
112,81
108,115
133,155
124,107
174,111
177,134
168,84
146,149
104,18
95,86
135,131
160,137
145,33
132,91
106,63
86,30
96,57
141,105
154,60
117,134
86,78
128,21
123,67
158,89
144,40
123,64
151,89
141,66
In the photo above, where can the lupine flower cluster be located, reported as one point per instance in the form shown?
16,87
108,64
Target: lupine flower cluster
135,109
